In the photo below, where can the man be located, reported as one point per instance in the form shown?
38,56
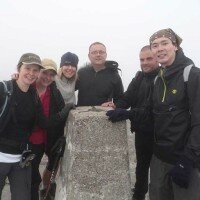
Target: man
176,161
138,97
98,82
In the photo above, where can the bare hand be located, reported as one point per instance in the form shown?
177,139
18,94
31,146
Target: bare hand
108,104
15,76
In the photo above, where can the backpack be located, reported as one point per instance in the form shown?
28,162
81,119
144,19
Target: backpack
4,110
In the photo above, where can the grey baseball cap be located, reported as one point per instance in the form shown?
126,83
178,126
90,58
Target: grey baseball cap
30,58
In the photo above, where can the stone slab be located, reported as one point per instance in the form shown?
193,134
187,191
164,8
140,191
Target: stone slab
96,162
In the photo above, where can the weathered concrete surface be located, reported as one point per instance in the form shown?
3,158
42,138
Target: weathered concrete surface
96,163
132,163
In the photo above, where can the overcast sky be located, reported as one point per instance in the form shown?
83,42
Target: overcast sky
50,28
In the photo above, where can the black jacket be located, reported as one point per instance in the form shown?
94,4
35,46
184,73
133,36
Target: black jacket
95,88
56,105
177,112
23,114
139,97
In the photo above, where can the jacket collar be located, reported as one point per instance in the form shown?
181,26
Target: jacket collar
180,62
152,74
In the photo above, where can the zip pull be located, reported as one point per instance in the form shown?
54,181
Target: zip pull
165,88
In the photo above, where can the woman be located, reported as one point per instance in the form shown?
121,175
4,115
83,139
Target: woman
66,78
65,82
42,140
23,114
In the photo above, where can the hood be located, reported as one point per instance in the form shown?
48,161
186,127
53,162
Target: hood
180,62
113,65
109,65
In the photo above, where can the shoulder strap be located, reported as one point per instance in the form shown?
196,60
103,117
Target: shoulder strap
138,78
139,75
138,81
186,72
8,89
6,98
4,112
155,79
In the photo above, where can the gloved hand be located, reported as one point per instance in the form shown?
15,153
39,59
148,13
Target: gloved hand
65,111
181,172
118,114
59,147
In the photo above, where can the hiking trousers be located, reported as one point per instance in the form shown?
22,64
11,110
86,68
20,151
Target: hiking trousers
38,150
19,179
144,151
163,188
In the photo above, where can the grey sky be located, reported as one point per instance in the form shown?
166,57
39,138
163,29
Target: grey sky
52,27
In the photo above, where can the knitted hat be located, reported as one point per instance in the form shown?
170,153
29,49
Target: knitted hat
69,59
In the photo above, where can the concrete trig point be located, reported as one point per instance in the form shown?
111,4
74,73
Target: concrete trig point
95,164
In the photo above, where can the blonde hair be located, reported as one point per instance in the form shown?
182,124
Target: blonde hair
60,75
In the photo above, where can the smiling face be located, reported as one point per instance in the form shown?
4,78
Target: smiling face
164,50
28,73
97,55
46,77
68,71
148,61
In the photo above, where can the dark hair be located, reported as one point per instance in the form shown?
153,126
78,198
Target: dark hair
19,66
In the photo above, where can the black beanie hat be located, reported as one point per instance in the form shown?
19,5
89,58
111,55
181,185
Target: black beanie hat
69,59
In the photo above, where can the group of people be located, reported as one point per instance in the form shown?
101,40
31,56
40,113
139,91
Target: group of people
164,114
35,117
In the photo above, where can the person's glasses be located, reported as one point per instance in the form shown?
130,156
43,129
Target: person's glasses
97,52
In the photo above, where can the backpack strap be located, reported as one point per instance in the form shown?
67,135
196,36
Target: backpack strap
8,89
139,77
155,79
5,110
6,98
186,72
138,80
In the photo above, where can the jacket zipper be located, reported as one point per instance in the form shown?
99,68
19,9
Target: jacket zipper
165,88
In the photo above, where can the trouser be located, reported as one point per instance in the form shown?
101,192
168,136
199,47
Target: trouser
19,179
163,188
38,150
144,150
